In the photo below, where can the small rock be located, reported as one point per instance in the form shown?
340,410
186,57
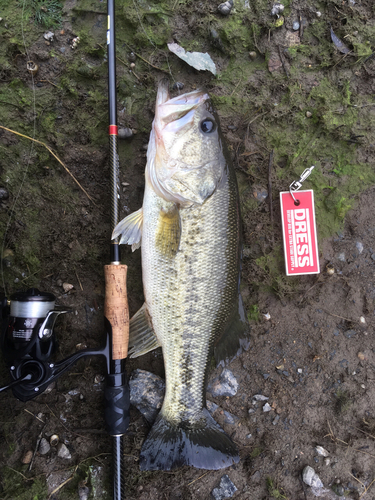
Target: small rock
336,332
99,378
83,492
321,451
362,320
211,407
224,385
373,256
132,57
260,193
338,489
361,356
251,411
277,9
27,457
260,397
248,436
350,333
311,478
267,407
63,452
327,461
48,36
359,247
226,489
318,13
253,55
178,86
308,114
67,287
4,194
363,386
341,257
229,418
44,446
125,133
267,316
276,419
299,370
225,7
147,393
296,26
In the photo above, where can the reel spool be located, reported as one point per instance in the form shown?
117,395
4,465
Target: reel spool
28,342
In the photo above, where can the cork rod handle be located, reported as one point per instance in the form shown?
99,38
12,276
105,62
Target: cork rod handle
116,308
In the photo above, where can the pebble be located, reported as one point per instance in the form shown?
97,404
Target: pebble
224,385
4,193
336,332
211,407
260,193
229,418
178,86
44,446
225,7
359,247
350,333
327,461
67,287
226,489
146,393
132,57
277,418
48,36
341,257
308,114
321,451
338,489
260,397
373,256
362,320
253,55
277,9
27,457
63,452
125,133
296,25
311,478
83,493
267,407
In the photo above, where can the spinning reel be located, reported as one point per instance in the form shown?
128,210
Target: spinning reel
28,342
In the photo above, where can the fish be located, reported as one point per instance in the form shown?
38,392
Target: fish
189,231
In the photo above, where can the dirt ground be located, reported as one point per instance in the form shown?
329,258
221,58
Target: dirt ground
288,97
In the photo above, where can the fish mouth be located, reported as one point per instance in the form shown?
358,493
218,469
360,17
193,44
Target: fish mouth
172,115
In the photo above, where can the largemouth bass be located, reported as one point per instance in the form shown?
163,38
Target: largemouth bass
189,232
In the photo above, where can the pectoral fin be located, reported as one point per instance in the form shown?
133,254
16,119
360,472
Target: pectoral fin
168,232
142,337
130,230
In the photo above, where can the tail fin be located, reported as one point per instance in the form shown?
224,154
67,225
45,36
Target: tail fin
207,447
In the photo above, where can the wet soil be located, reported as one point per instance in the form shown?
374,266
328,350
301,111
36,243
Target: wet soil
298,101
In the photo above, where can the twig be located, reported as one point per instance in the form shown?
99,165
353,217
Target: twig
200,477
37,446
64,483
366,490
20,473
40,420
341,317
255,118
79,281
367,434
53,154
283,62
270,193
49,83
65,427
360,482
147,62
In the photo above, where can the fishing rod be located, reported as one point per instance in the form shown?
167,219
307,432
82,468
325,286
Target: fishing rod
27,336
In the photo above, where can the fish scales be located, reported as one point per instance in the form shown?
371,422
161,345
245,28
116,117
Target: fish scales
188,297
189,232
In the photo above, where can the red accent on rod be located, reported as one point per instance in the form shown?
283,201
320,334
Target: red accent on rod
113,130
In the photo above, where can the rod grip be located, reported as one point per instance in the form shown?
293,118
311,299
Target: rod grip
116,308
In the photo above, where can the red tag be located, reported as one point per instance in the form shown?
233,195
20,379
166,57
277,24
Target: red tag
299,233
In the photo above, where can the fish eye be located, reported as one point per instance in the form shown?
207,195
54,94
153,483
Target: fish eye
207,126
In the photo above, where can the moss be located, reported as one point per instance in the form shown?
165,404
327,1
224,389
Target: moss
14,486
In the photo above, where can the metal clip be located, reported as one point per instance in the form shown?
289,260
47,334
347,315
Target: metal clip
296,185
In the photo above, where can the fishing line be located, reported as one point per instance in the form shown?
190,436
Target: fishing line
31,150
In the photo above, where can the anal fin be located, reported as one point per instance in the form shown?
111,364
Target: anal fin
142,338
